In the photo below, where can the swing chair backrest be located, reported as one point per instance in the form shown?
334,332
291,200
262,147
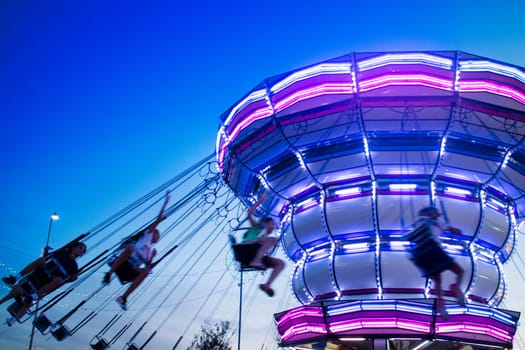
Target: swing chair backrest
125,273
245,252
58,265
99,343
61,332
42,323
13,310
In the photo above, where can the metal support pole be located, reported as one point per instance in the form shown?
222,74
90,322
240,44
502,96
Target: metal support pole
240,314
177,343
54,217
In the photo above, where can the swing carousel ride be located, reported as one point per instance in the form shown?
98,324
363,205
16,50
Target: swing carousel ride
348,151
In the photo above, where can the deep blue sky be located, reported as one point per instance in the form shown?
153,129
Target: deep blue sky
100,101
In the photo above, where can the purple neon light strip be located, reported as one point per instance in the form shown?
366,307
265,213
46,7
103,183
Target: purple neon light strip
305,74
397,323
405,58
302,328
476,328
380,322
254,96
298,313
371,84
260,113
315,91
475,324
487,86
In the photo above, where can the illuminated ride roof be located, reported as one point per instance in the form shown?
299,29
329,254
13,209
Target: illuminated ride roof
351,148
407,324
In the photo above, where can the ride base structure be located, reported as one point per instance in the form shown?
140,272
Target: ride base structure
350,149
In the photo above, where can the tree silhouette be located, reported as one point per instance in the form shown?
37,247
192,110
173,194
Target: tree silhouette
212,337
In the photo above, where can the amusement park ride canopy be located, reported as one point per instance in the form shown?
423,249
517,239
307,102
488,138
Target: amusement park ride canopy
350,149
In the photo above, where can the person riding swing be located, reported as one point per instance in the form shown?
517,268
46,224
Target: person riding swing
260,234
431,258
43,276
136,255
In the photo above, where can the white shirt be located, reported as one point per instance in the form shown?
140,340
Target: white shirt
144,247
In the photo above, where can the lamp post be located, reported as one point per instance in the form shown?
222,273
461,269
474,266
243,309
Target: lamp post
52,218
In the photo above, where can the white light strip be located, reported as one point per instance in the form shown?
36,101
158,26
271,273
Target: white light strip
301,160
263,181
397,245
443,145
402,187
487,66
496,203
254,96
323,68
458,191
433,191
405,58
357,247
456,79
347,191
350,339
306,202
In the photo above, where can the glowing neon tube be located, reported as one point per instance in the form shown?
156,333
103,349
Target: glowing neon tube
405,58
320,69
487,66
487,86
319,90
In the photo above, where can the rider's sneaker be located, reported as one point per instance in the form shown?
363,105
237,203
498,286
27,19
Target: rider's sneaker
9,280
122,302
10,321
106,280
266,289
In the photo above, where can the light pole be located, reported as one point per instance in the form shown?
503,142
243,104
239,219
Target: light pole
53,217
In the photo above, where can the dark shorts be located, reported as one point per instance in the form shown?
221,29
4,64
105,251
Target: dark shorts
127,272
433,260
36,280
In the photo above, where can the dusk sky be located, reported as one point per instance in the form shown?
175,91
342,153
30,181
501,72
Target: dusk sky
101,101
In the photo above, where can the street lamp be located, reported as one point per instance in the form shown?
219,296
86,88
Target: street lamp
53,217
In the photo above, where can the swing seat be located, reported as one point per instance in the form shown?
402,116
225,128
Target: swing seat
132,346
125,273
61,332
100,343
245,252
42,323
14,308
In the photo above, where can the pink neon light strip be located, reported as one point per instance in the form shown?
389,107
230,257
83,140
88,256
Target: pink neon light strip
322,89
476,328
303,328
303,312
260,113
487,86
371,84
406,79
383,322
